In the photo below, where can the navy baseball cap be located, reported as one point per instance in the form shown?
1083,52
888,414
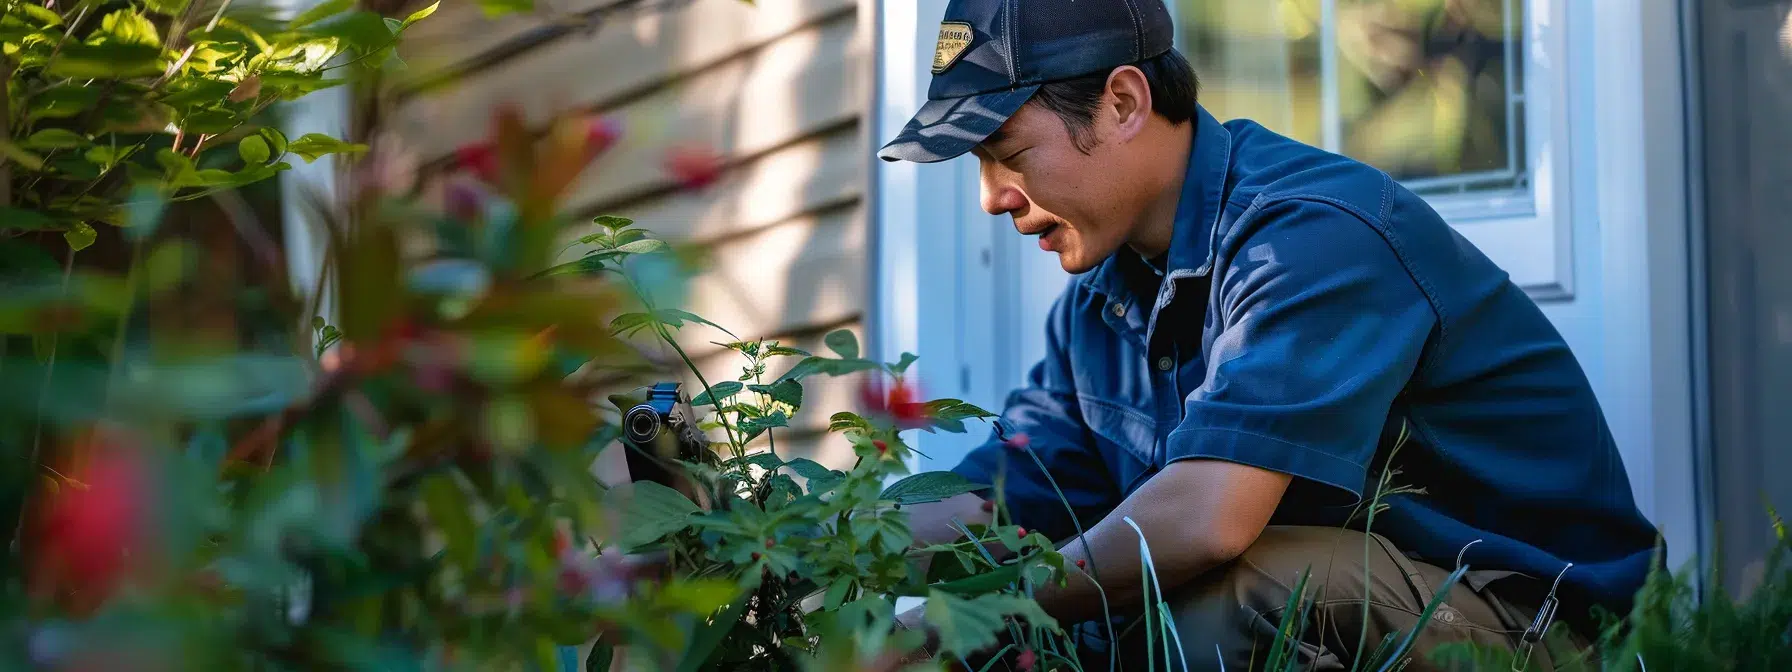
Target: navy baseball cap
992,57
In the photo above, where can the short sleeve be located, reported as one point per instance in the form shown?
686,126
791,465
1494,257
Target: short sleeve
1320,328
1047,412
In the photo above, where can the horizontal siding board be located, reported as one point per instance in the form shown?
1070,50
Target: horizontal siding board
726,48
460,32
807,271
816,173
812,173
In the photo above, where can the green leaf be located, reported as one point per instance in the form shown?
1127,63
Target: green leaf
644,246
497,8
20,155
698,597
79,236
968,626
44,16
783,391
810,469
128,27
55,138
930,486
843,343
177,169
420,15
311,146
167,266
62,101
168,7
111,60
106,156
711,633
901,367
319,12
988,582
16,219
837,594
254,150
654,511
275,139
723,391
444,503
833,367
756,426
782,351
613,222
766,461
213,120
194,91
362,30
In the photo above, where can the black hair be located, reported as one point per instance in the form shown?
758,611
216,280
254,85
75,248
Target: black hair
1173,91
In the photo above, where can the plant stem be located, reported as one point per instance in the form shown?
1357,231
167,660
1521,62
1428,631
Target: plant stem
37,432
6,70
124,322
660,328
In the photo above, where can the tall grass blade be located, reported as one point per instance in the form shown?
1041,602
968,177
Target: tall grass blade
1107,616
1424,618
1294,616
1154,602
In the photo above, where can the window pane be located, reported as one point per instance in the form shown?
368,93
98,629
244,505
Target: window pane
1427,90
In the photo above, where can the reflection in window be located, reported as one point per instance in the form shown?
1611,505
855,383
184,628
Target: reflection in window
1428,90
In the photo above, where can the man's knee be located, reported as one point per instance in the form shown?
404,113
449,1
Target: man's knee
1238,607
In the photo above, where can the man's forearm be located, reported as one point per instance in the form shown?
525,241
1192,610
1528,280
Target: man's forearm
1183,516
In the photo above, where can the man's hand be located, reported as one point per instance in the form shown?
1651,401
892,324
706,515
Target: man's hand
1195,514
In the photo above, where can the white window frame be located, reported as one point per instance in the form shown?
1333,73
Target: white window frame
1527,231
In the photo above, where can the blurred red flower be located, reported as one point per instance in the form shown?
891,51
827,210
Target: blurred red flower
693,166
1027,660
93,527
480,159
899,403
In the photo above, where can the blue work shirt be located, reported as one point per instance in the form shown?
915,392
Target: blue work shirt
1311,314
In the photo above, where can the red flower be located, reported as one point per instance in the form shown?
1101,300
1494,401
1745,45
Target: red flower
755,556
1082,564
693,166
1027,660
93,528
769,543
480,159
1021,532
601,134
1018,442
880,446
989,506
896,402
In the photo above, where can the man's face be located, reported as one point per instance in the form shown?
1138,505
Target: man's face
1078,204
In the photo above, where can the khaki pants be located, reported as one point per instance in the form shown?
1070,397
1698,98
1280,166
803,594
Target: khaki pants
1231,615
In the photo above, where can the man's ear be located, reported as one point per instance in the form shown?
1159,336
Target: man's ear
1128,102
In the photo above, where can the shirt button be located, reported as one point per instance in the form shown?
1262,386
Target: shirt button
1165,364
1119,310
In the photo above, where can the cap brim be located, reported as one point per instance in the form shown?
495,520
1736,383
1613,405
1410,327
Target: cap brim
945,129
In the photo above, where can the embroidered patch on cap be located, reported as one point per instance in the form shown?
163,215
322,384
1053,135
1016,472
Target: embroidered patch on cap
955,39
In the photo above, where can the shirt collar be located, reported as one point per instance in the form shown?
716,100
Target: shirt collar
1198,211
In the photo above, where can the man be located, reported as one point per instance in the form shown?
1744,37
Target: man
1259,338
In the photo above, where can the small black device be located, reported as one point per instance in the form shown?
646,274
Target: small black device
661,431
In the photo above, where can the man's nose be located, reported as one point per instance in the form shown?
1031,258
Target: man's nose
999,197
